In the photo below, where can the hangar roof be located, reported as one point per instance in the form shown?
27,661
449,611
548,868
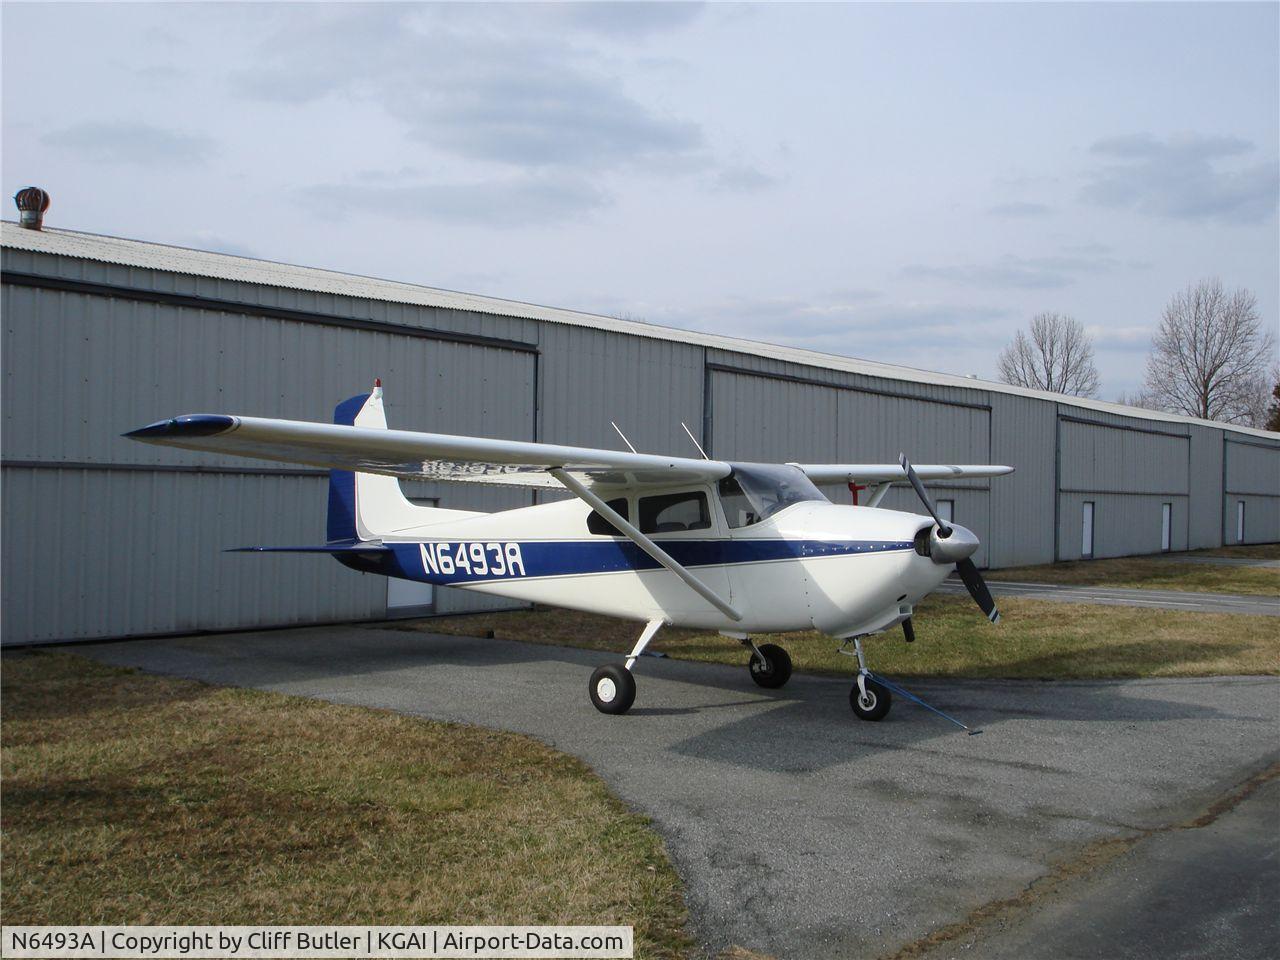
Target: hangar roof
156,256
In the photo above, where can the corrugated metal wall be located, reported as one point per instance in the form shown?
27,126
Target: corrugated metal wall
107,553
106,537
1022,436
783,412
1205,485
589,377
103,537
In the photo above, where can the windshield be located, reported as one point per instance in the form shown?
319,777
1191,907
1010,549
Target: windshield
755,492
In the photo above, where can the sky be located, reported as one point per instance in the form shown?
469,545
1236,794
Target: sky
908,183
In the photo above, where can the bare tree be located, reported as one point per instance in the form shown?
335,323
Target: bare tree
1210,355
1273,410
1136,398
1058,357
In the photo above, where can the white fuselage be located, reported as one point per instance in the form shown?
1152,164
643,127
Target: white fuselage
842,570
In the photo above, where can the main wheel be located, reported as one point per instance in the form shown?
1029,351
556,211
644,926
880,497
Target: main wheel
874,705
613,689
774,670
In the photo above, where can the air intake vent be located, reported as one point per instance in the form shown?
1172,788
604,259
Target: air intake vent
32,203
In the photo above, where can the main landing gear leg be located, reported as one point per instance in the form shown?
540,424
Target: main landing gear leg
770,665
613,688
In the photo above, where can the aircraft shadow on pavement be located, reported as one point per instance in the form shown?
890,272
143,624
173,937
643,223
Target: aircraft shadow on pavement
814,728
805,727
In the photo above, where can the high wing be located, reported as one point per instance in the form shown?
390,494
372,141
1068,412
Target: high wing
894,473
430,456
434,456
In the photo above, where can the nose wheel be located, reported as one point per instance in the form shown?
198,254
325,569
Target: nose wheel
870,700
869,697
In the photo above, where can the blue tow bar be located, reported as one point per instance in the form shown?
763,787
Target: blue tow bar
902,692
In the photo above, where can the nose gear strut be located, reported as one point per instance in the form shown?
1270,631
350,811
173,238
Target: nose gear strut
872,694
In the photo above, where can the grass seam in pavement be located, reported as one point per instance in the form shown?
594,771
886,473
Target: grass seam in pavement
1080,868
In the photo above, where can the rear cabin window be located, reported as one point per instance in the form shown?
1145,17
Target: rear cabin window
674,512
602,527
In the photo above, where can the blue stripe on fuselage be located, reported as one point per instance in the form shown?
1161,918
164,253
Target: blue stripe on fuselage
480,561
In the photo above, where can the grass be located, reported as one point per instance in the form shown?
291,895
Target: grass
135,799
1161,574
1035,639
1253,551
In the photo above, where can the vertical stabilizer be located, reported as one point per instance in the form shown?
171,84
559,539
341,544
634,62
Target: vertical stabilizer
370,506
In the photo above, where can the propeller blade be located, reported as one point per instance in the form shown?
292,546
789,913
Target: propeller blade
978,589
943,530
908,630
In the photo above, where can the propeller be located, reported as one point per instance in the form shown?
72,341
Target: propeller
949,542
944,530
978,589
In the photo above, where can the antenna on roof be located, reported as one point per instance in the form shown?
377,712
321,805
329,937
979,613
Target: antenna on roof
695,441
623,436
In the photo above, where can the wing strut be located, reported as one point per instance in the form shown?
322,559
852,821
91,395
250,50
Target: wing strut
878,493
577,488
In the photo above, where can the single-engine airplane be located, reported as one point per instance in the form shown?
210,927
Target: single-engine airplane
741,548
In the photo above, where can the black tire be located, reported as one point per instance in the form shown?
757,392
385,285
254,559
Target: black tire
613,689
774,670
877,704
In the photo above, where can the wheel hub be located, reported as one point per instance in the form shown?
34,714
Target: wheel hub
606,690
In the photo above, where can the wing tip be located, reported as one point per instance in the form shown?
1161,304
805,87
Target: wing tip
189,425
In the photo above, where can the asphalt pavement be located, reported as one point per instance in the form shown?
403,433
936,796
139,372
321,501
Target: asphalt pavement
1136,907
1114,596
802,832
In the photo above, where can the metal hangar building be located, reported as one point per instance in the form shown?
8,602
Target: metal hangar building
103,537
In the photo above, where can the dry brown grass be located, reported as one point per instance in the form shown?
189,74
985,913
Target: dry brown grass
1035,639
139,799
1153,574
1254,551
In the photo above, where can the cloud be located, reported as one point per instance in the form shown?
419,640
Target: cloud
742,179
464,82
512,202
1113,339
1023,273
629,20
851,323
1188,177
128,142
1019,209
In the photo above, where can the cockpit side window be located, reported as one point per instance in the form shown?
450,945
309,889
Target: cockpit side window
738,509
756,491
602,527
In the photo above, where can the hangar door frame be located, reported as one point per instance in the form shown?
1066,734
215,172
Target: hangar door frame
1098,482
1242,470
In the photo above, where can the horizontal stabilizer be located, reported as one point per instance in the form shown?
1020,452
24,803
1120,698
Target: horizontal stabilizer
327,548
